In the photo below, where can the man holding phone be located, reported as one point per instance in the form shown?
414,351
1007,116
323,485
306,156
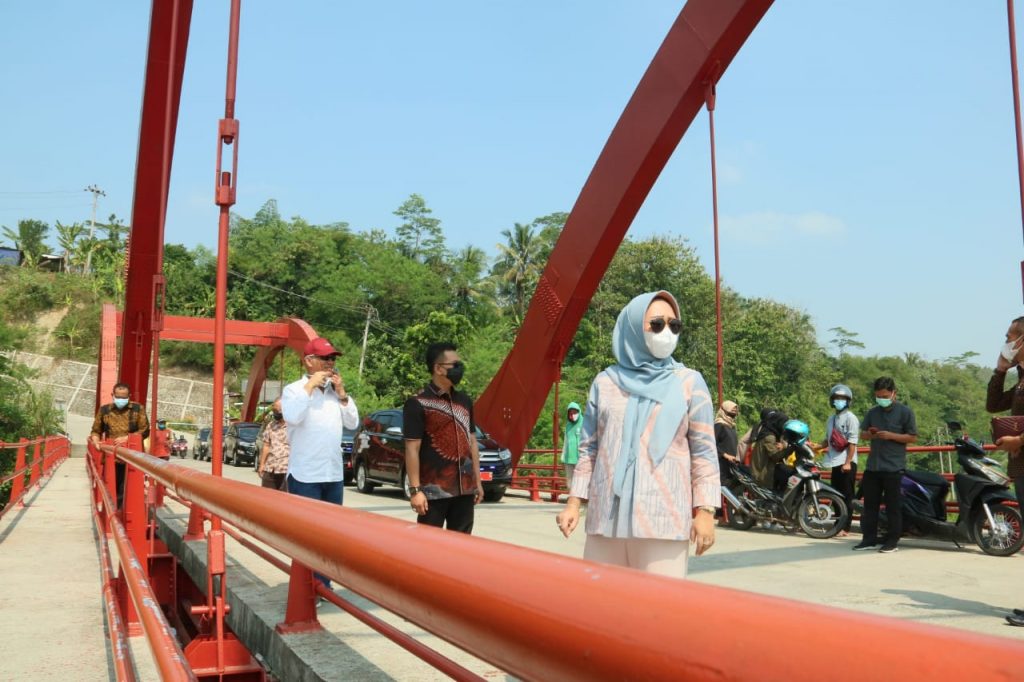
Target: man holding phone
890,426
315,408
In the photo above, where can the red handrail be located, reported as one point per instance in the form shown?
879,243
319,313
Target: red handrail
410,644
120,650
596,622
167,654
54,451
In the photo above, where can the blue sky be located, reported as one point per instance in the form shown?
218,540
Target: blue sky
867,171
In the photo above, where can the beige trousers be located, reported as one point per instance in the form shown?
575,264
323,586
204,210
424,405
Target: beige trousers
662,557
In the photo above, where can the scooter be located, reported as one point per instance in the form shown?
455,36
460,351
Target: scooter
982,491
179,447
818,508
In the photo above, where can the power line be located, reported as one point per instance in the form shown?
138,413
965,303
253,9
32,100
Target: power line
367,309
46,191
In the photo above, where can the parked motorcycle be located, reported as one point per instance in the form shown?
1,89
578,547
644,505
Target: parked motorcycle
982,491
818,508
179,447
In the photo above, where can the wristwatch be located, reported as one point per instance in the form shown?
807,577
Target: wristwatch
709,509
413,489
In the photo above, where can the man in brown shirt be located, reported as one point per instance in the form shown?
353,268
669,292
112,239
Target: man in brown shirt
115,421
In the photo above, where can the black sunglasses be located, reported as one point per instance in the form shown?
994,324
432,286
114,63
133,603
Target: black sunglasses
675,325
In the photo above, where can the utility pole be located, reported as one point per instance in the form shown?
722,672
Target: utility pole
96,194
366,333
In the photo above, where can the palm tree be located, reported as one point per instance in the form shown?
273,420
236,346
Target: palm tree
519,265
470,286
67,238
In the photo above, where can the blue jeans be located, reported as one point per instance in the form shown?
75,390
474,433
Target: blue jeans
328,491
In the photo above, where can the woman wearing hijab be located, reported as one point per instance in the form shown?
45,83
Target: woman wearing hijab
571,442
726,440
648,466
767,448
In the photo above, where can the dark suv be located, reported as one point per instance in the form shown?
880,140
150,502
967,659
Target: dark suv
380,457
240,443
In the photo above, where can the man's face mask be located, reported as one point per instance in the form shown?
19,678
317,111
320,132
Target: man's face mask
120,403
840,403
1010,349
455,372
884,402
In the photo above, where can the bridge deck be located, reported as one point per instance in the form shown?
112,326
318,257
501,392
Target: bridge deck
51,612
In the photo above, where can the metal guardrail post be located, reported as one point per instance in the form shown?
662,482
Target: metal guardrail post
18,485
300,613
36,468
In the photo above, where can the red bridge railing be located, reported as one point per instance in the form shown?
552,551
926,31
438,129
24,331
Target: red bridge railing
595,622
47,453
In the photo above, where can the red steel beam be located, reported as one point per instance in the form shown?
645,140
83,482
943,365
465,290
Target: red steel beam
698,48
597,621
165,65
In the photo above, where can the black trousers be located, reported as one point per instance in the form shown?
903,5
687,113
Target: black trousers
455,513
843,481
877,485
1018,488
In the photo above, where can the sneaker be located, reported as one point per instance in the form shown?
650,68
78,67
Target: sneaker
1018,612
863,546
320,601
889,549
1017,621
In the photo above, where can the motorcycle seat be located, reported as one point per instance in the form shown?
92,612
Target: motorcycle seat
927,478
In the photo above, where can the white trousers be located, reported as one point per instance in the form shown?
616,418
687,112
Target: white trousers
662,557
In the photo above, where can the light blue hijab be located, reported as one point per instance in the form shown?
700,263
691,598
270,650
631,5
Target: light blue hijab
648,381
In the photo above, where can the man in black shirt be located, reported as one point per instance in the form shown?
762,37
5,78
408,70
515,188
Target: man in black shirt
441,455
891,427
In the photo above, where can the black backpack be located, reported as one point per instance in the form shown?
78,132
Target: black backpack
134,409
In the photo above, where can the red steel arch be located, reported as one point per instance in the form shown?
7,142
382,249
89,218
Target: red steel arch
270,337
697,50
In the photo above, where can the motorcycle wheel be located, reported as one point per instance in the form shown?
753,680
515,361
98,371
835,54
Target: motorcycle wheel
1008,536
821,516
738,519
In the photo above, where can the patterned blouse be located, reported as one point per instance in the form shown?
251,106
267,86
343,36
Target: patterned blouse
275,436
663,496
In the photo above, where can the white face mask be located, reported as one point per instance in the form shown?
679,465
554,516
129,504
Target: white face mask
662,344
1010,349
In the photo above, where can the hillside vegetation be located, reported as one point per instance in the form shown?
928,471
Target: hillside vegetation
410,288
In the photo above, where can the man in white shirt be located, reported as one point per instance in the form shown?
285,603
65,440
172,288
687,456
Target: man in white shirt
315,408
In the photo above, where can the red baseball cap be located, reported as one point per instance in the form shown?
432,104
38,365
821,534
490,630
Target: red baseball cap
320,346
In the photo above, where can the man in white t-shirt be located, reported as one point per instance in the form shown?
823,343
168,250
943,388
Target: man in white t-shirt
842,456
315,408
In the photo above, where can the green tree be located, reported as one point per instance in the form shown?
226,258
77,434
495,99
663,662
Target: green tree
67,239
420,235
471,287
518,267
30,237
845,339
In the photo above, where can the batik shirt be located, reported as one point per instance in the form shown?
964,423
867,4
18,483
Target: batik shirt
276,438
443,423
